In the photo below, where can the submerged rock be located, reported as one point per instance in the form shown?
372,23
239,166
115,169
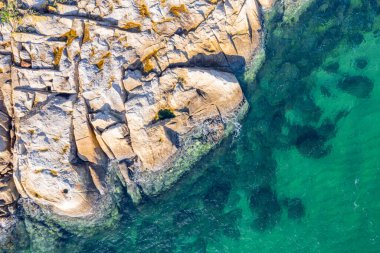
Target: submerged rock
217,196
355,39
358,86
311,143
332,67
264,203
296,208
361,62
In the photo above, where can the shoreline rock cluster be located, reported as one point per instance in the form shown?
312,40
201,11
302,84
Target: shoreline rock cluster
131,91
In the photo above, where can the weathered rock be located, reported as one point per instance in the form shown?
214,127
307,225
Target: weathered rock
8,192
45,154
267,4
43,80
5,84
5,154
7,227
202,102
35,4
117,139
88,148
64,9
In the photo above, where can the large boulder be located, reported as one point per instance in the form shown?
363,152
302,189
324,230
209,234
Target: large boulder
173,116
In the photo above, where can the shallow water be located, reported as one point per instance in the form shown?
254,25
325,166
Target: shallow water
303,174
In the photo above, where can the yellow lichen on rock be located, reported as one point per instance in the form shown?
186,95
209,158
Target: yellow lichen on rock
100,63
86,33
143,9
148,65
70,36
177,10
57,55
132,25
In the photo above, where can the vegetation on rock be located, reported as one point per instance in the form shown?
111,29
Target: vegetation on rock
165,114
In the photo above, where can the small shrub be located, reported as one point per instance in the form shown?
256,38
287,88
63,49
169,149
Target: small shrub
165,114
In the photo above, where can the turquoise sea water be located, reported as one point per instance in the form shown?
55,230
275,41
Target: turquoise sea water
303,174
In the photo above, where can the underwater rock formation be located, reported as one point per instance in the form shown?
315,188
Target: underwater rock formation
358,86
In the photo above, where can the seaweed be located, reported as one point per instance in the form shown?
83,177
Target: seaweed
264,203
358,86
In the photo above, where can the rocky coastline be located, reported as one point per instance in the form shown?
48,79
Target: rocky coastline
98,99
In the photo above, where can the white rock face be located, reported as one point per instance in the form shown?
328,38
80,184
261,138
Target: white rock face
45,159
142,87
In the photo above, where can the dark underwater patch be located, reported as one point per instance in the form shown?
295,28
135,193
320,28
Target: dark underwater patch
296,208
310,112
361,63
217,195
332,67
264,203
312,144
325,91
184,218
278,82
355,39
358,86
376,33
328,128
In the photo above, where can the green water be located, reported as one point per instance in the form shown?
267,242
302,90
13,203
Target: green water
303,175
